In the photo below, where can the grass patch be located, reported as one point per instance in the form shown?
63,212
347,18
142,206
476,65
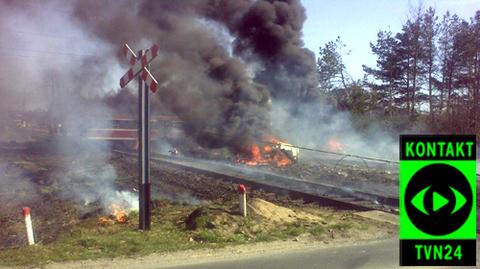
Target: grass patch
208,236
318,230
286,231
341,226
96,242
294,229
90,240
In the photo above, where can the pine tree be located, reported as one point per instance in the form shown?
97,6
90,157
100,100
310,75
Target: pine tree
412,54
428,38
387,77
330,66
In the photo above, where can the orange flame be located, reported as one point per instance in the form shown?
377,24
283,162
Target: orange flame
266,154
335,145
118,215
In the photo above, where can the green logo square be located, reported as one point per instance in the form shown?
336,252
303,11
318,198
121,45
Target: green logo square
408,228
437,200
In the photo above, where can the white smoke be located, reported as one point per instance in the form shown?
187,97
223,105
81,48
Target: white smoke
16,187
313,125
51,63
48,59
93,180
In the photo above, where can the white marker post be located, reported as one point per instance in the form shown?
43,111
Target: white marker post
242,191
28,224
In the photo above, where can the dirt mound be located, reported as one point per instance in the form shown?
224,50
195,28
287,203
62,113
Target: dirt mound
262,212
264,219
275,213
200,218
271,211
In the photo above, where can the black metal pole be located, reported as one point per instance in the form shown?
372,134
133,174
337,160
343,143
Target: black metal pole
144,153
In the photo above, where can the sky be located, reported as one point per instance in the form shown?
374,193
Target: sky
357,22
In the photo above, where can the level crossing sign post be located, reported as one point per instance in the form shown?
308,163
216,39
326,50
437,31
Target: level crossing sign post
146,81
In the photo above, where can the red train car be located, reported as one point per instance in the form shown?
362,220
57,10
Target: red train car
123,130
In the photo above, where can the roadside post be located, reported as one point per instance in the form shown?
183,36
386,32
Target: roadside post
28,224
242,192
146,81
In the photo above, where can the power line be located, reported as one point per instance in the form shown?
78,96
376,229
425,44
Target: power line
344,155
349,155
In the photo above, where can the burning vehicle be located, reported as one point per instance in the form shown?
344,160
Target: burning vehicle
292,151
272,151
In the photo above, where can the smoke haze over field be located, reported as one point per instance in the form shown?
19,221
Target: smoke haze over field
317,126
48,59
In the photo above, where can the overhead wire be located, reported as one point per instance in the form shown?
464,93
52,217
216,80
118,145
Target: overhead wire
343,154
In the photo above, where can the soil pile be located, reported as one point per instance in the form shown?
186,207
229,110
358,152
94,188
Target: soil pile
274,213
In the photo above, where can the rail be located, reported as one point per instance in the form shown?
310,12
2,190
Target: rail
327,195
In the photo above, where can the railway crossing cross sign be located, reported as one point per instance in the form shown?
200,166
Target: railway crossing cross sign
140,64
146,81
437,200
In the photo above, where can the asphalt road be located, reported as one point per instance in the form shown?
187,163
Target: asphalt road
381,255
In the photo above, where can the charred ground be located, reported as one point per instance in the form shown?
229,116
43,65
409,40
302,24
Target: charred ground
45,181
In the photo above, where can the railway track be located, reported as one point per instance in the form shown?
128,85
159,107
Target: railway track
323,194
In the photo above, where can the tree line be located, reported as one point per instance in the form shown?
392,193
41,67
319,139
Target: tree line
427,74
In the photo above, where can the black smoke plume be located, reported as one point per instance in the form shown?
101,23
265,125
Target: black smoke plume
203,78
270,32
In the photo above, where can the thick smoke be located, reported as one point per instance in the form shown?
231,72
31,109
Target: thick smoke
199,80
220,65
205,80
270,32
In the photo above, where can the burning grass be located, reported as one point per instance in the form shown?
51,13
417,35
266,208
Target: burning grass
118,215
119,211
